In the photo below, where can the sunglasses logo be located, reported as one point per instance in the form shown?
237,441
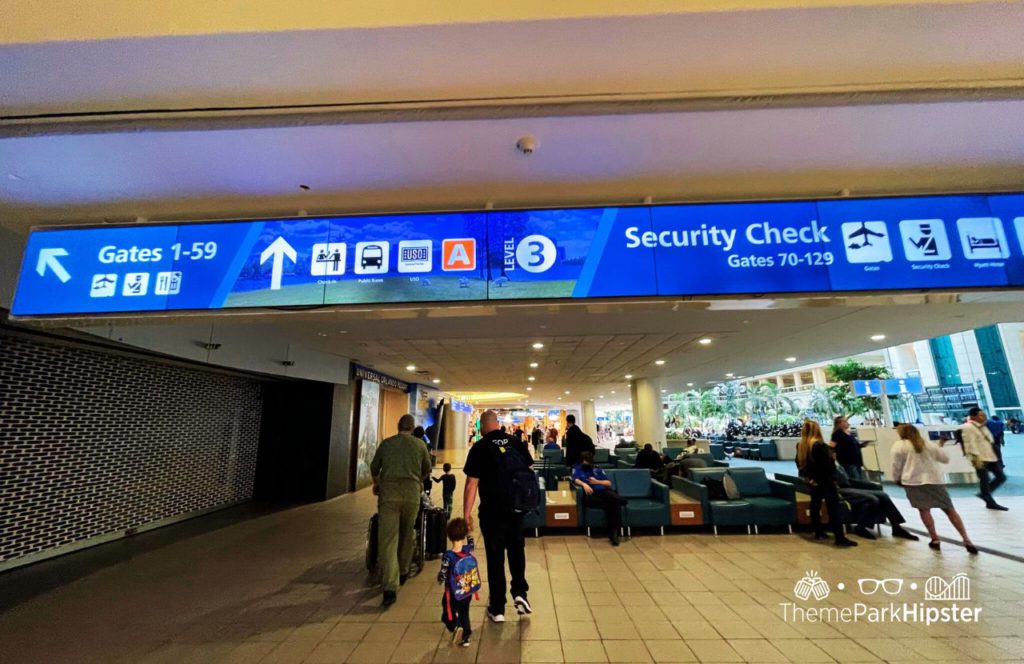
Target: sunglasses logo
888,586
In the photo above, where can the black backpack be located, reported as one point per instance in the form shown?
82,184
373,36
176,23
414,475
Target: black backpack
521,488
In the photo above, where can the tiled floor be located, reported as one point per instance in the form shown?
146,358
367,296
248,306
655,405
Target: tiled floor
290,586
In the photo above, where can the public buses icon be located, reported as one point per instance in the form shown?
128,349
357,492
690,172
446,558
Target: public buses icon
372,257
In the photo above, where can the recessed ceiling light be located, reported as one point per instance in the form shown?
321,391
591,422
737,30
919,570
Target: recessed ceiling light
704,342
601,397
342,331
531,378
629,376
613,391
321,334
659,362
538,345
534,365
877,337
529,389
410,367
663,391
791,359
689,384
436,381
729,375
567,392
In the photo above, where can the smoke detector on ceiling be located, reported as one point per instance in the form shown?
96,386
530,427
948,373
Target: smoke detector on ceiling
527,145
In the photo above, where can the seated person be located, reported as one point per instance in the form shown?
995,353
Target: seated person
648,459
690,449
598,493
624,444
871,506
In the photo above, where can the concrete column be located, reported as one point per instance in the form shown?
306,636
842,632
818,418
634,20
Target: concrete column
589,417
796,380
648,415
456,431
780,382
819,377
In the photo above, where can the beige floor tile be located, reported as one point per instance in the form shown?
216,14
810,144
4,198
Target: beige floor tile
290,652
801,650
696,629
537,629
413,652
669,650
848,650
578,631
708,650
371,653
347,631
385,633
329,652
757,650
501,652
541,651
584,651
626,651
624,630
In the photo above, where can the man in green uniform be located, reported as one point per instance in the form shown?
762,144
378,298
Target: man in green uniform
399,467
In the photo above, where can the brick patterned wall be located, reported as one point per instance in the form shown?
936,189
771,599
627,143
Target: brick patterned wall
93,443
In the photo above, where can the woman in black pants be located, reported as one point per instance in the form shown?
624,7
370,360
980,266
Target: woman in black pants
814,459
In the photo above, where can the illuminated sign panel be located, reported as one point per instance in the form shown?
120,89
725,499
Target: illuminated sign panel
672,250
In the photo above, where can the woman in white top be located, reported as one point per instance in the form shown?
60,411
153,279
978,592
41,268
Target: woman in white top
915,467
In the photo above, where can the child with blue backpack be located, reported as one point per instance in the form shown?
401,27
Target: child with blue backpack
460,575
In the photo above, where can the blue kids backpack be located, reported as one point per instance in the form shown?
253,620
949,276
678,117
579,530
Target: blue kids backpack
463,576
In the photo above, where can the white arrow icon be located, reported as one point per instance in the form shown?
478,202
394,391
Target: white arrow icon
48,259
279,248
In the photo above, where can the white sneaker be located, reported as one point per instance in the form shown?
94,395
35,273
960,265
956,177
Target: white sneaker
496,617
522,605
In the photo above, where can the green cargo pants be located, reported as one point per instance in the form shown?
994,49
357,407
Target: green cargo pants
396,536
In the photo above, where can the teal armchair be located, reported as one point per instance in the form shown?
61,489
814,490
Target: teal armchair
773,502
716,512
648,499
535,520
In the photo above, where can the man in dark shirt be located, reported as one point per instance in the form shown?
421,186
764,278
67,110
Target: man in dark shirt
598,493
870,506
576,442
847,449
500,524
648,459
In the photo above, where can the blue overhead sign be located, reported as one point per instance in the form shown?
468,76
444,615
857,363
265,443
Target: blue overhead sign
672,250
889,386
867,388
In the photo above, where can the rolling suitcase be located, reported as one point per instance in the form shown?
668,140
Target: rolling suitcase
433,536
371,543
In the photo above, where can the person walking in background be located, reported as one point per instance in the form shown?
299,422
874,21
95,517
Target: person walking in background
447,481
537,440
576,442
998,429
978,446
847,449
399,468
490,467
915,467
815,464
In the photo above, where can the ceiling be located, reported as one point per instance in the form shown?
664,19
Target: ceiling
589,347
196,113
